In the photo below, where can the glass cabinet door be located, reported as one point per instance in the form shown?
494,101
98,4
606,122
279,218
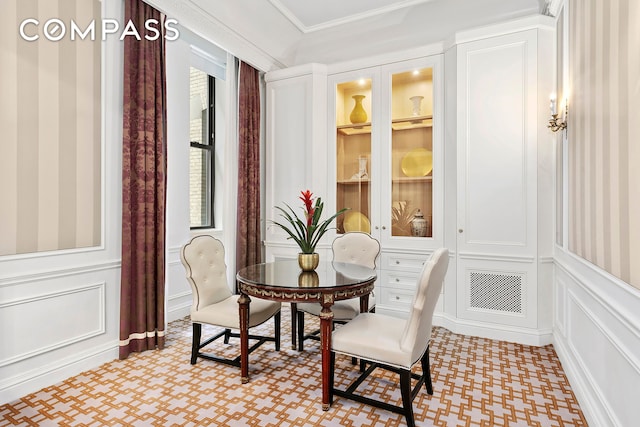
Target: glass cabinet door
353,155
411,153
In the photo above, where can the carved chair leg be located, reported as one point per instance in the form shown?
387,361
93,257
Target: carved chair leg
276,321
426,371
195,342
294,324
301,331
405,389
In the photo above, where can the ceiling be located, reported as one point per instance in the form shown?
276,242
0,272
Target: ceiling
296,32
310,15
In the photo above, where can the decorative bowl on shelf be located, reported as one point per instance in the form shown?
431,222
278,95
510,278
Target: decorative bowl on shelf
356,221
417,162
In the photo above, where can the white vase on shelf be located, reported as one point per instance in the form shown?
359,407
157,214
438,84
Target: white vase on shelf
362,169
416,102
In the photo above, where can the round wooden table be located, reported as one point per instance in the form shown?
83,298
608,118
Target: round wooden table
284,281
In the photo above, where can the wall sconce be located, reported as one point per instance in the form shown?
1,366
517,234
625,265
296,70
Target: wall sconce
557,123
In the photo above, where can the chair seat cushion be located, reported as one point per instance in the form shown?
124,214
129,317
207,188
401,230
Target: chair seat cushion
226,312
373,337
342,310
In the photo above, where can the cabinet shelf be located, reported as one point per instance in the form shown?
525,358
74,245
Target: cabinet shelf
357,129
353,181
416,122
398,179
411,179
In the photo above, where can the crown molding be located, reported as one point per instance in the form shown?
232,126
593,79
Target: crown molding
204,24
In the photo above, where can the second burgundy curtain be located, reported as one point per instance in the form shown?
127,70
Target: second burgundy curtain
248,240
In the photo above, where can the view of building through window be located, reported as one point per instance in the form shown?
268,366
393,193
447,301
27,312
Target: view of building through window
201,138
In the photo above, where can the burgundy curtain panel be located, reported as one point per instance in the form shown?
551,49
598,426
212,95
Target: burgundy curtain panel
248,240
142,317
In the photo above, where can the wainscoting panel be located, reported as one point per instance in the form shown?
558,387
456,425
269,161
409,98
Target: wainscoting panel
43,331
597,337
56,323
178,290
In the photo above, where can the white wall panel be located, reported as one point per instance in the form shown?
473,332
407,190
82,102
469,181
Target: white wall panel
296,141
45,331
599,345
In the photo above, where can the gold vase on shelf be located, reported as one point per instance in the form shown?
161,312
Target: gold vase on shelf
308,262
358,114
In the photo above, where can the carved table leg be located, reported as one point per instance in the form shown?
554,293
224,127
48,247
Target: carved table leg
326,327
243,302
364,303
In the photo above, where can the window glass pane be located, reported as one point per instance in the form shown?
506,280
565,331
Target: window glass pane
201,150
198,106
199,189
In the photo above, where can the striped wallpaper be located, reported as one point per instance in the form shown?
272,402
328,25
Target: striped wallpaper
51,129
604,135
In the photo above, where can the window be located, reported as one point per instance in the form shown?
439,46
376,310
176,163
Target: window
202,149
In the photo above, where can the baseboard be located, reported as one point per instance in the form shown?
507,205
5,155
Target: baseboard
494,331
14,388
591,407
178,312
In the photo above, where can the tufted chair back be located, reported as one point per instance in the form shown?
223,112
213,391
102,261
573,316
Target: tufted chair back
417,332
356,248
203,260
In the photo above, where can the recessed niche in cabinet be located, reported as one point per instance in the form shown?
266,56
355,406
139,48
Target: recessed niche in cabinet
404,147
353,153
411,151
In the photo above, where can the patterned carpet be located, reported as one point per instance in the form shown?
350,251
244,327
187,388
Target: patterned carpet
477,382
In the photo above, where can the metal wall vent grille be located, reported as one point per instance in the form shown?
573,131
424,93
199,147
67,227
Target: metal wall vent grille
495,291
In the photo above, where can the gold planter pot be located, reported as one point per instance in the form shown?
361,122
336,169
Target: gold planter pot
308,279
308,262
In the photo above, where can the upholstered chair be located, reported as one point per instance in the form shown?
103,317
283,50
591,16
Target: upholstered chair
213,302
352,248
394,344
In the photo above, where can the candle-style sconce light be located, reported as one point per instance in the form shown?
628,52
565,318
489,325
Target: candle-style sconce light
557,123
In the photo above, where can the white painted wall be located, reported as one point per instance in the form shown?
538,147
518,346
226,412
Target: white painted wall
180,57
59,311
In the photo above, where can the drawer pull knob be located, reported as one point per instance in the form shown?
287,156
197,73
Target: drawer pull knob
397,297
397,262
397,280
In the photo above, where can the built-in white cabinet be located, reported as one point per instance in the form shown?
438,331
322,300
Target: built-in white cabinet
386,166
459,134
503,178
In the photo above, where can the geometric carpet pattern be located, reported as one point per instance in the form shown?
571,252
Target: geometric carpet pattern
476,382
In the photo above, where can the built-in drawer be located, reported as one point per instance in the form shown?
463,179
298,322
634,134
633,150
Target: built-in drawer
397,298
398,279
404,262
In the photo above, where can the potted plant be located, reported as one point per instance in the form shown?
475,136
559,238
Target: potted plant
308,232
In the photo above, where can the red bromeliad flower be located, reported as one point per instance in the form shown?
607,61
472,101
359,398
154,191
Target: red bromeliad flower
306,235
307,199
